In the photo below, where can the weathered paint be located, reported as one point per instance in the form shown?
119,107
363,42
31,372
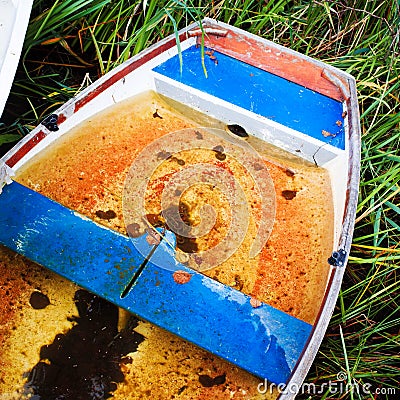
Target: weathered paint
273,58
70,244
260,92
214,316
218,318
25,147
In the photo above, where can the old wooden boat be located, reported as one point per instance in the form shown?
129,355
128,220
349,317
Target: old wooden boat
14,18
207,186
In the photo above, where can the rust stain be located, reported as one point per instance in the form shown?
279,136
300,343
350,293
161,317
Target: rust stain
210,53
289,194
12,287
182,277
133,230
153,238
255,303
327,134
292,265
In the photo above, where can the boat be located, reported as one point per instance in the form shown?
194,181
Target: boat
14,20
208,187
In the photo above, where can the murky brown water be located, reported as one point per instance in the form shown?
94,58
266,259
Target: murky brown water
86,170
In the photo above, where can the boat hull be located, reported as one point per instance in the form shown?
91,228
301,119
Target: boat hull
325,134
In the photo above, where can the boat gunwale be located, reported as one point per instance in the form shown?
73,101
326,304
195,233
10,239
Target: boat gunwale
344,242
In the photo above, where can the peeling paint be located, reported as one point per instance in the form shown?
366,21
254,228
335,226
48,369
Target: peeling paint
224,292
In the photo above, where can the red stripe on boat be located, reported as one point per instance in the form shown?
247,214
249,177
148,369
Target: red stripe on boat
25,148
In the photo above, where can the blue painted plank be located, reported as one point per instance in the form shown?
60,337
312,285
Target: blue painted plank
218,318
263,340
261,92
96,258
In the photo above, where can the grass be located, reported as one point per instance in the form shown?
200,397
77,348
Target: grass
70,43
